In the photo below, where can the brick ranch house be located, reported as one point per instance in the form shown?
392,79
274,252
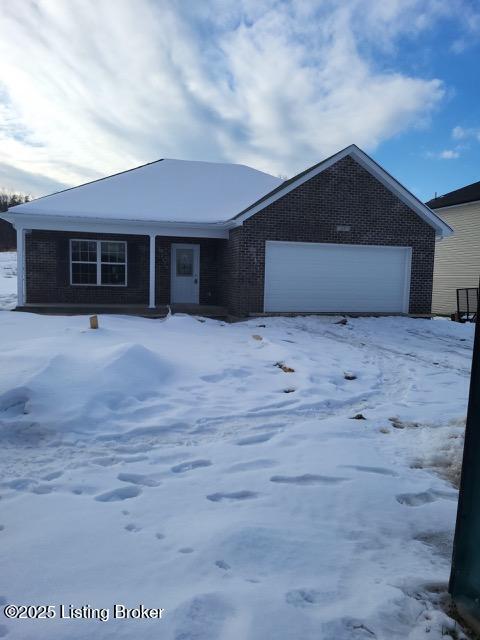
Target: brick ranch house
342,236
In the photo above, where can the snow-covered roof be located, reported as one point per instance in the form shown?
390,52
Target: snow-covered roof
165,190
182,192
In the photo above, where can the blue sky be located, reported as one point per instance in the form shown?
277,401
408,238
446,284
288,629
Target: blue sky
92,87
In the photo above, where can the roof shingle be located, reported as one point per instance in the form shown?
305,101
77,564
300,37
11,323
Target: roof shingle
470,193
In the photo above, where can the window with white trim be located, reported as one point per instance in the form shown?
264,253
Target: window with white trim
98,262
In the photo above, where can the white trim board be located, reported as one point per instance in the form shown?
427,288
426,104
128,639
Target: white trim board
127,227
442,229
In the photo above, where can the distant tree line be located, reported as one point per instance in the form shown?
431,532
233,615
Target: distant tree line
8,235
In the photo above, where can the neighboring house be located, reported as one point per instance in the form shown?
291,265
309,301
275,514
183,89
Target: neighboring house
457,259
342,236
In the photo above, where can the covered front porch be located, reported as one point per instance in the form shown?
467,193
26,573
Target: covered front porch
119,268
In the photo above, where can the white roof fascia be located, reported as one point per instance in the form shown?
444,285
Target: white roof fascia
103,225
442,228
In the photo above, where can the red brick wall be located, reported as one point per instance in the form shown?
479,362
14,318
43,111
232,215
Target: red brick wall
344,194
47,257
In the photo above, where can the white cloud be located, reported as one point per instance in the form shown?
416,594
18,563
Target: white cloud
446,154
459,133
449,154
462,133
91,87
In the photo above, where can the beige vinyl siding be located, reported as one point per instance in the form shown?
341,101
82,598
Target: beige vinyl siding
457,258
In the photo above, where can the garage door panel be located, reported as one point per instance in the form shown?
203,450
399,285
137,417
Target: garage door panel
325,277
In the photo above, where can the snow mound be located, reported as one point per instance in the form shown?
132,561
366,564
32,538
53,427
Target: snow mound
134,366
85,394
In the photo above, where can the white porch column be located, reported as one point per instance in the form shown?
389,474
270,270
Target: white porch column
151,303
20,267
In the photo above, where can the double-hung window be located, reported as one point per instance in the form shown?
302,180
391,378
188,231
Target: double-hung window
98,262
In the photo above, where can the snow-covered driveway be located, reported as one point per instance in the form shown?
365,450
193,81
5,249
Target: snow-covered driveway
177,465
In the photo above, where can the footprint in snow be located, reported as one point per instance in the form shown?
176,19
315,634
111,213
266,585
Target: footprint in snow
122,493
221,564
21,484
347,628
42,489
131,459
160,536
107,461
303,597
235,495
185,550
252,464
227,373
202,618
139,479
441,542
261,437
192,464
52,476
271,425
308,479
424,497
380,470
132,527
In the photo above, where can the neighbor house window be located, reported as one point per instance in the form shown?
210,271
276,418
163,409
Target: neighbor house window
98,262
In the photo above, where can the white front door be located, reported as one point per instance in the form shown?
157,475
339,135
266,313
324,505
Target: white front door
185,269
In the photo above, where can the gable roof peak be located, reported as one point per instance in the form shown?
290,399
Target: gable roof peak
442,229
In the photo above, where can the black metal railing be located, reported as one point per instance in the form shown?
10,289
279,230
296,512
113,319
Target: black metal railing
467,304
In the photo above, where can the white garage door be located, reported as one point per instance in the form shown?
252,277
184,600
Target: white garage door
303,276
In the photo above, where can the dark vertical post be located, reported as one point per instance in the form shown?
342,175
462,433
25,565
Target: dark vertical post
465,575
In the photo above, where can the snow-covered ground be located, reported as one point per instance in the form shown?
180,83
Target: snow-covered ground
173,464
8,279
